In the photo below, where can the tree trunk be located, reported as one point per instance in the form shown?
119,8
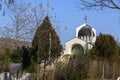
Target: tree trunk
53,72
44,74
103,71
37,71
37,68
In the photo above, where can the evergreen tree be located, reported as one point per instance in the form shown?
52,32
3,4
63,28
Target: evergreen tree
46,43
26,57
16,55
105,48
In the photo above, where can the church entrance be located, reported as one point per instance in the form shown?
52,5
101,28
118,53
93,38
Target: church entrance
77,49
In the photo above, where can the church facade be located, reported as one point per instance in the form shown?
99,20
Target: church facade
85,39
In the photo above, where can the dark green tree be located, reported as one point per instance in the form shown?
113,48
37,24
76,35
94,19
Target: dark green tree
105,48
16,55
24,56
27,59
46,43
5,60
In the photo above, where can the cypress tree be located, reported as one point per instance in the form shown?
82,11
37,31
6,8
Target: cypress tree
46,43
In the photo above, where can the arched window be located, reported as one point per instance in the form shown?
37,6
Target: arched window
77,49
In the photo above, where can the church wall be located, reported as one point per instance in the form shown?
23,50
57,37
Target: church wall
70,43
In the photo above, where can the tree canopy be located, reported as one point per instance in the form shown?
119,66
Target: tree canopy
105,47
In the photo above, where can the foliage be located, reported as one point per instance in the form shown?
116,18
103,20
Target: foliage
26,58
119,51
75,69
118,48
32,67
46,42
105,47
46,45
16,55
23,55
78,67
5,60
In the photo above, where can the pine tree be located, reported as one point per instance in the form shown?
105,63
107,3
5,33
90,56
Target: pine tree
46,43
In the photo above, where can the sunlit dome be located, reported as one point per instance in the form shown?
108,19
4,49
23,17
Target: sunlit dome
86,32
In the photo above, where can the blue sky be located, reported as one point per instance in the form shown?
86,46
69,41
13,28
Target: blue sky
107,21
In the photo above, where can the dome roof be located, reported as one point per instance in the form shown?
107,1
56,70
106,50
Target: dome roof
85,31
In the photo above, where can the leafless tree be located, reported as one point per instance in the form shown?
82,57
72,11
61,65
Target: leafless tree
4,5
24,18
98,4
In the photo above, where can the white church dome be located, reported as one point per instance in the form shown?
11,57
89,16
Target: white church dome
86,33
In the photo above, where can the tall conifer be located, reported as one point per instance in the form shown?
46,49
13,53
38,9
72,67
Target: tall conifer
46,42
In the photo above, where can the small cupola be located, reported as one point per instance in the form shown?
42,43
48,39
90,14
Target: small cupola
86,33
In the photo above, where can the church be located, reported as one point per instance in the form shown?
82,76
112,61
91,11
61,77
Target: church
85,39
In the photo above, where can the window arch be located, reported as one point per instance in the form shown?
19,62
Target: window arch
77,49
85,32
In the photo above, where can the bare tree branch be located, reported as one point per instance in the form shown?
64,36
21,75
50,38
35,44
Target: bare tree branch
114,4
98,4
24,19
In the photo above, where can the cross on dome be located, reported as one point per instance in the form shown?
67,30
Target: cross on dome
85,18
